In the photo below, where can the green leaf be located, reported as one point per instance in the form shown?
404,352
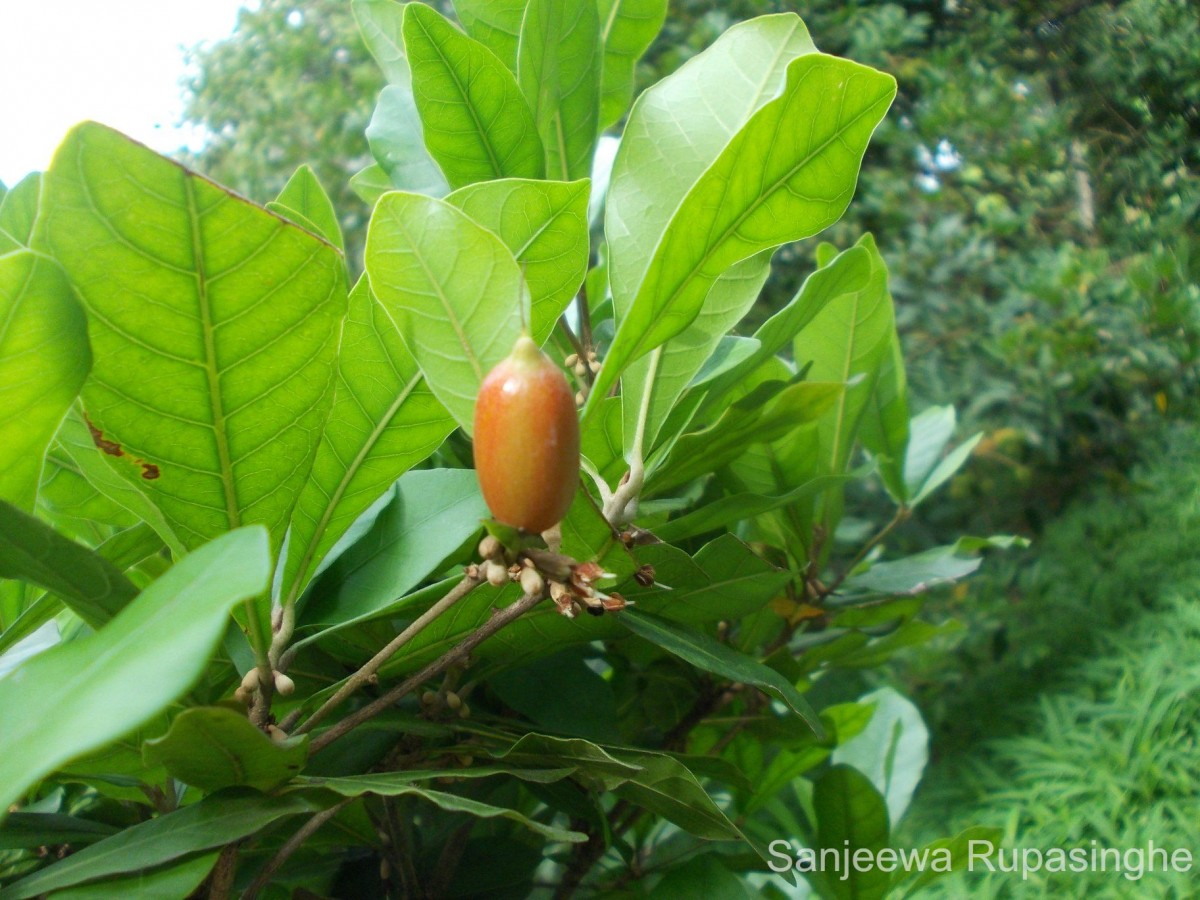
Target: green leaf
925,468
652,385
558,70
44,358
688,118
451,287
91,586
236,309
723,513
213,747
848,342
884,429
545,225
371,183
78,443
547,692
168,883
918,573
30,830
627,29
105,685
702,877
385,787
18,212
892,750
384,421
710,655
763,416
305,202
846,273
958,848
852,816
69,501
395,135
593,762
494,23
30,619
667,788
213,822
435,511
477,123
804,148
381,24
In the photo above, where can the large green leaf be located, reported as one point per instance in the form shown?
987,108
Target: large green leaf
90,585
477,123
215,328
31,830
892,750
627,29
851,816
433,513
397,142
18,212
44,358
677,130
384,421
710,655
451,287
167,883
401,787
494,23
305,202
788,173
558,70
213,822
381,23
103,686
213,747
545,225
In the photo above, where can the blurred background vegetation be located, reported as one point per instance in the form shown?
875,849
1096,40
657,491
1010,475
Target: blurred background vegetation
1034,192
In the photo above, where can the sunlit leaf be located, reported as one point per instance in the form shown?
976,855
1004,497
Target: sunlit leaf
627,29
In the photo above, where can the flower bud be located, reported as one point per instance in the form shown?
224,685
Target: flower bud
490,548
250,681
284,686
496,573
532,582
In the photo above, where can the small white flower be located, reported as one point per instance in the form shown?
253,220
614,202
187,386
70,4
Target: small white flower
947,159
1020,89
924,157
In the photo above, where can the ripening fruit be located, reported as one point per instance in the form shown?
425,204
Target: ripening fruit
527,440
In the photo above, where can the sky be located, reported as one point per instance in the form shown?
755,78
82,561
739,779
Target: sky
116,61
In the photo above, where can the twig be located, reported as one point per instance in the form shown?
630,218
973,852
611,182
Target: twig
220,885
291,846
363,675
901,515
498,620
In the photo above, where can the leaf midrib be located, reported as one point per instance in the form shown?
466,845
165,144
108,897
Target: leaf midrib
212,375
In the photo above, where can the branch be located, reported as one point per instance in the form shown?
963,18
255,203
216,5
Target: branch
498,620
363,675
291,846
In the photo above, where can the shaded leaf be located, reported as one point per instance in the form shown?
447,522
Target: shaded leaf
213,747
558,70
384,420
18,213
852,816
627,29
91,586
396,138
918,573
710,655
168,883
452,289
476,121
305,202
544,224
44,358
28,830
213,822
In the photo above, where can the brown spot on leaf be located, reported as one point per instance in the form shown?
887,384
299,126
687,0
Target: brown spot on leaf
149,471
112,448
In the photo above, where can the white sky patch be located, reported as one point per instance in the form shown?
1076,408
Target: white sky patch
117,62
